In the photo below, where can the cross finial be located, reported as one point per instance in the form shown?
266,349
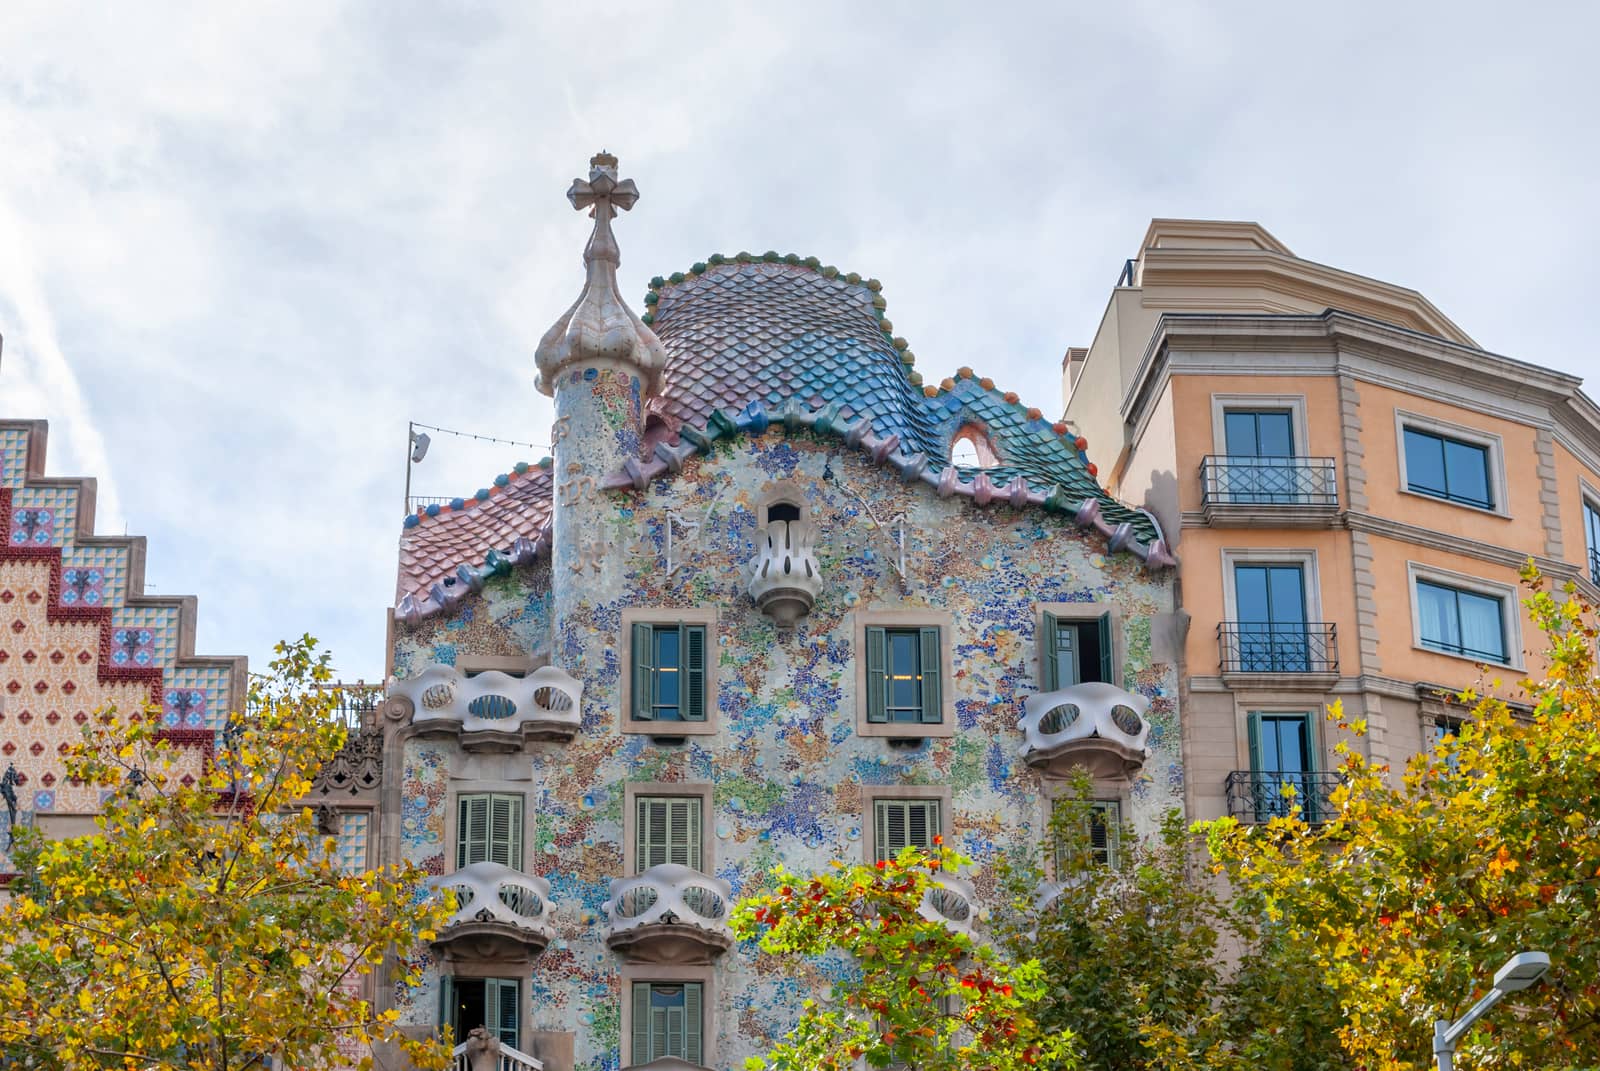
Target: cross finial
602,195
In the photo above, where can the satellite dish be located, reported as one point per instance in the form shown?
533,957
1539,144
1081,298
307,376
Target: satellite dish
419,445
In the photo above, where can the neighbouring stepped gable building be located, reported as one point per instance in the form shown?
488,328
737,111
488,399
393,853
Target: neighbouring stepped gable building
77,634
749,612
1352,484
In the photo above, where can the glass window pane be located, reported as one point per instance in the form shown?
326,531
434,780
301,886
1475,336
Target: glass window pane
1425,463
1436,613
1239,432
902,653
1275,434
667,688
666,648
1481,632
1467,472
1250,593
1286,595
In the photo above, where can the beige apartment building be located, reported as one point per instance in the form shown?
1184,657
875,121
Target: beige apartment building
1350,485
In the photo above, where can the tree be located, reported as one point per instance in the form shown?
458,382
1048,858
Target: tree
1148,965
924,996
205,925
1418,888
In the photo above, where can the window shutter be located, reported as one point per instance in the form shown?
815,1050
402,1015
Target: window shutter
897,820
447,1007
650,848
694,1024
1049,647
472,830
505,831
643,673
692,642
929,665
1105,828
683,832
1107,651
501,996
1255,743
641,1024
877,684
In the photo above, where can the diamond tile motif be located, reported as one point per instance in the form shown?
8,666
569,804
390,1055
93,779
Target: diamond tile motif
213,684
101,568
352,851
59,502
161,625
13,456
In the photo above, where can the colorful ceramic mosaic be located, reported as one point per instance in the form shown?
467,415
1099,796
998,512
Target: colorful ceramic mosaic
790,775
75,639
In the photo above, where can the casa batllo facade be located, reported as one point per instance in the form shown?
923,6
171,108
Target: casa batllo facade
751,611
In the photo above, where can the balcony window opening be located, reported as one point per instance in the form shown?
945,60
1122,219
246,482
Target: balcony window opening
1460,622
667,1022
1591,535
1076,652
666,830
1281,758
971,448
1272,634
489,829
1451,469
783,511
1105,836
669,672
899,824
903,675
492,1003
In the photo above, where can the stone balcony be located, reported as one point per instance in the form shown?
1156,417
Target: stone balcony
669,914
1096,726
952,902
490,711
785,578
501,914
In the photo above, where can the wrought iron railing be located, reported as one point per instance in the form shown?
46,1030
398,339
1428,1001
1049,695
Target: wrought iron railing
1594,565
1256,796
413,501
1268,481
358,701
1127,275
1248,647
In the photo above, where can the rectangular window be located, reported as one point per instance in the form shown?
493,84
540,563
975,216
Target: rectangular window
492,1003
1591,537
666,830
489,828
904,823
669,672
1076,652
668,1021
1105,836
903,675
1461,622
1282,757
1259,433
1448,468
1272,633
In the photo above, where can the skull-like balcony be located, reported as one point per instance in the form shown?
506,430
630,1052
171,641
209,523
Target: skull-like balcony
785,579
491,711
951,901
669,914
1096,726
501,914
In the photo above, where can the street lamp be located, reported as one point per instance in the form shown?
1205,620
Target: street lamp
1520,971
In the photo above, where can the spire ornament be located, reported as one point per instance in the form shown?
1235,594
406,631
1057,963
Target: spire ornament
599,329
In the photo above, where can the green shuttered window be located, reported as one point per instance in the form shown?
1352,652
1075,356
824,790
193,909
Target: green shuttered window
494,1003
666,830
669,672
903,675
1105,836
903,823
489,827
1075,652
667,1021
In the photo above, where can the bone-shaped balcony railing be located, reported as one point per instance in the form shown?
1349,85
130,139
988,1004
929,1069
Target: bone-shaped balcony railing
785,578
1091,723
546,702
491,897
672,897
950,901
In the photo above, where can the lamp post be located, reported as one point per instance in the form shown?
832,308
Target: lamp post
1520,971
416,450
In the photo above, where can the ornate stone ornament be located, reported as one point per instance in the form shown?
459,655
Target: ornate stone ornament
1095,725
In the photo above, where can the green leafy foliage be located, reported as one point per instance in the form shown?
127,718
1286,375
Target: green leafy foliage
206,926
1421,885
925,996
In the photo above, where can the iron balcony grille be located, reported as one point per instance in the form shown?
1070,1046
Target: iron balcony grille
1594,565
1268,481
1248,647
1257,796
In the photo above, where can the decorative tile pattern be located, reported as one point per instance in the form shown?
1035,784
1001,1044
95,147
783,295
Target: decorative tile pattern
431,549
103,568
211,684
352,838
58,503
160,623
13,455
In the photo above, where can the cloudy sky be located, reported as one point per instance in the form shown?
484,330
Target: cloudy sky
242,244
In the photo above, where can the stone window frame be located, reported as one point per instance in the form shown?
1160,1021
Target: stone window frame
787,490
518,666
705,975
1295,403
944,621
687,789
1078,612
1102,790
1510,611
1490,441
498,787
871,794
667,615
1304,557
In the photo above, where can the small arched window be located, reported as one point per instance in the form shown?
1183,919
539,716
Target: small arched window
971,447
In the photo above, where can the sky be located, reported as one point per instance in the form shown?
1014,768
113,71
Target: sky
241,245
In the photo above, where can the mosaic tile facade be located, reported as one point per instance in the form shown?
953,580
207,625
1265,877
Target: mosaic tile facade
77,634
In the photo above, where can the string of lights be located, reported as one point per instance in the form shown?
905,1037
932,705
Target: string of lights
480,438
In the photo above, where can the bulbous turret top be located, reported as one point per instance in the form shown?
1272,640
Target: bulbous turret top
599,328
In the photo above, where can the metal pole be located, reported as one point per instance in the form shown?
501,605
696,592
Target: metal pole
1444,1050
411,431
